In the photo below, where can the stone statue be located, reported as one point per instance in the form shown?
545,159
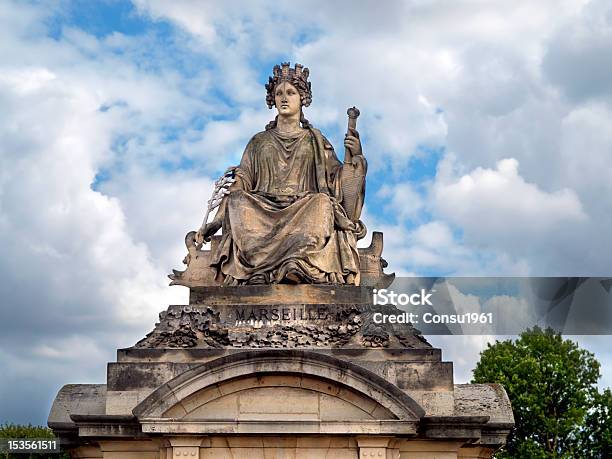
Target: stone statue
292,211
289,212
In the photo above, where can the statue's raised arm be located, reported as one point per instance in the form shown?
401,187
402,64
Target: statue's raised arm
290,211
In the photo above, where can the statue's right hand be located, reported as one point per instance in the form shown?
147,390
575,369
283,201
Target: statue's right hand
199,237
205,234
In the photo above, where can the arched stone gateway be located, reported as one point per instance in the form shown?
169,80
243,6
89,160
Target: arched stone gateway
270,391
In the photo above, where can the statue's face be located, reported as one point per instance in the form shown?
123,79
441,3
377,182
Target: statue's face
287,99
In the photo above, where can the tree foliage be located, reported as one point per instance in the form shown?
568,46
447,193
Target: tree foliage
551,383
596,437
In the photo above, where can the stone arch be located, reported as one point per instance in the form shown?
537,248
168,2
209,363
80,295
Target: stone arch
277,397
298,370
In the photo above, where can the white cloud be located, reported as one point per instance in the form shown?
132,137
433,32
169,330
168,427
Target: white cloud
161,213
578,58
490,203
57,228
403,200
586,145
491,222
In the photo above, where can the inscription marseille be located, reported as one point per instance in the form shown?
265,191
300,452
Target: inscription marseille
284,314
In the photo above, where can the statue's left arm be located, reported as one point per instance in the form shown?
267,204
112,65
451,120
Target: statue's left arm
243,177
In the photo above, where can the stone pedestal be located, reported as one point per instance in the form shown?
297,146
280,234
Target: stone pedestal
280,372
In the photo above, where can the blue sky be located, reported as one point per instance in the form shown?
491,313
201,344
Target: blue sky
488,140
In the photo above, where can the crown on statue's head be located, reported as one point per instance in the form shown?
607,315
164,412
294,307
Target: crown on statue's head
297,76
285,73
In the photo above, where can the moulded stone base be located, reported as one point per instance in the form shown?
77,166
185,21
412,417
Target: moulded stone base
275,447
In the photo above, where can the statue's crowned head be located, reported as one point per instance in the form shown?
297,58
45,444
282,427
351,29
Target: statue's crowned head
297,76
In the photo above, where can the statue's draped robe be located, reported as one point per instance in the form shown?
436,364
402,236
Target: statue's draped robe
283,218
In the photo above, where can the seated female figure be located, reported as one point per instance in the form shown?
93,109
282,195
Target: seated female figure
284,220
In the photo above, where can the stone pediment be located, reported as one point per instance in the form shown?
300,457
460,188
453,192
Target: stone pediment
273,390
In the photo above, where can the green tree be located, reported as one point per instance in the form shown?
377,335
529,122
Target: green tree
551,383
596,437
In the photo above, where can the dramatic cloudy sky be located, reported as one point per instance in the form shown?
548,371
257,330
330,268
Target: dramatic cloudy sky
488,127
